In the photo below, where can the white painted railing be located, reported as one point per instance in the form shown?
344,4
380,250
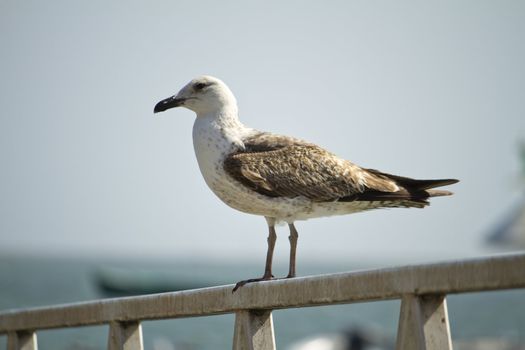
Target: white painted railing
423,321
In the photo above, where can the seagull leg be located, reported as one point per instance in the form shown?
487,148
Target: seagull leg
272,237
293,247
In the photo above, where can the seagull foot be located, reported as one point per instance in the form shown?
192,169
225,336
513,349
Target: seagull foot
242,283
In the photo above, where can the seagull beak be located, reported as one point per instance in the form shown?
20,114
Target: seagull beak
170,102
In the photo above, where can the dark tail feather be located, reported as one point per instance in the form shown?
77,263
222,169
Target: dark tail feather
424,184
411,190
415,184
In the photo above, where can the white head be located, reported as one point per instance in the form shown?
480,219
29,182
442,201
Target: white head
203,95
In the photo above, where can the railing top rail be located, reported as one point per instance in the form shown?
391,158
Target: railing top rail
482,274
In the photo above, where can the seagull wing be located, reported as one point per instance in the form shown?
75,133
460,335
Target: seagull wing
280,166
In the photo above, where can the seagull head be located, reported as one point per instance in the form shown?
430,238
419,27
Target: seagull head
203,95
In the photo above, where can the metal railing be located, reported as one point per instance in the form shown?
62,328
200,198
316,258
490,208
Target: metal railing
423,320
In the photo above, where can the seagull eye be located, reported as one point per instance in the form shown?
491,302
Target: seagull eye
199,86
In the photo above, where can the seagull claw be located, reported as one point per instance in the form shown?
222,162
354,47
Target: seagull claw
251,280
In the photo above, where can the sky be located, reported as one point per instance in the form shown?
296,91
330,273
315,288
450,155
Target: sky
422,89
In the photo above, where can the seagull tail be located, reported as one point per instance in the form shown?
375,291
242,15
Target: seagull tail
424,187
416,184
438,193
411,193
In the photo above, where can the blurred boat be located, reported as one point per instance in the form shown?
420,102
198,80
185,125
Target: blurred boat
355,338
372,339
510,232
131,281
488,344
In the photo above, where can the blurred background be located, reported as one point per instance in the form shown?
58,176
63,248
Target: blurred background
99,197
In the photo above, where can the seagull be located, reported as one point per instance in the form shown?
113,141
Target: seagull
283,179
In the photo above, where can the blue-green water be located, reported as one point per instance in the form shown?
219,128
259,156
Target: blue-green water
37,282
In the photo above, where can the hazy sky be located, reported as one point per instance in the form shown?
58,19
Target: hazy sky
422,89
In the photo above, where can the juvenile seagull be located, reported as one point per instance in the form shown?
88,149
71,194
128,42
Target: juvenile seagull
283,178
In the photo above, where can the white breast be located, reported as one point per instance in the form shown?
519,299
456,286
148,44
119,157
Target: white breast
213,140
212,143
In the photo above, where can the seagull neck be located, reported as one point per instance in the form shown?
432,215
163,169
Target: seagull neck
224,118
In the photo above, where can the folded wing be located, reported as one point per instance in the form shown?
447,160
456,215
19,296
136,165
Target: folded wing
278,166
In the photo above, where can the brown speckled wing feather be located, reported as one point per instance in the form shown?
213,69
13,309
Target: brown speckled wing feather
278,166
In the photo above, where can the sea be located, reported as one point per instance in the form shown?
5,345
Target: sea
42,281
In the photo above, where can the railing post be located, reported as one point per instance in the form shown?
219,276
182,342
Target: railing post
423,323
125,336
253,330
22,340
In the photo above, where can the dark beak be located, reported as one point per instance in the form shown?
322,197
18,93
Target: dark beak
170,102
